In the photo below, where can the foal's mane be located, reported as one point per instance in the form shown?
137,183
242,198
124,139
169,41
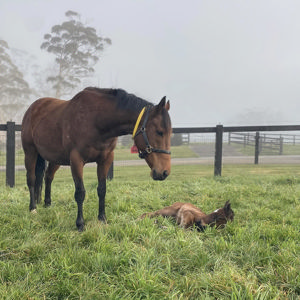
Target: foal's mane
125,101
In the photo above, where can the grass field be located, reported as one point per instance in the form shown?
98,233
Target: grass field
42,256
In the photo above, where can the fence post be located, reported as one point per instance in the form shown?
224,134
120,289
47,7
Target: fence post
10,154
257,147
280,145
218,150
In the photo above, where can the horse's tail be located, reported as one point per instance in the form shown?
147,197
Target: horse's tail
39,176
40,166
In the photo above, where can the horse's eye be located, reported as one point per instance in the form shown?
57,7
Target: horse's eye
160,133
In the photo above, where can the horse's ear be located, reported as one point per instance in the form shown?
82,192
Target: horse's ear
167,106
163,104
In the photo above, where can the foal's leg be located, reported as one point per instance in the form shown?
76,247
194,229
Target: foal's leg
77,173
30,163
102,170
51,169
168,211
185,219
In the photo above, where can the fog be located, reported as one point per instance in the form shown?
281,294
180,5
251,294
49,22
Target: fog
218,62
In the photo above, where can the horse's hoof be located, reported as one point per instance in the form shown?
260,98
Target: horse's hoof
80,228
80,225
34,211
102,219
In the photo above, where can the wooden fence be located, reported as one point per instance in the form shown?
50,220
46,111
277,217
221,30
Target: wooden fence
11,128
220,129
272,143
269,143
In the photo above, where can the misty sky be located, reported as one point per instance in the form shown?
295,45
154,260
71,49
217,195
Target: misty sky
215,60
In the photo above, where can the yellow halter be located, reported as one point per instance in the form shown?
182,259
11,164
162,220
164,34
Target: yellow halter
138,121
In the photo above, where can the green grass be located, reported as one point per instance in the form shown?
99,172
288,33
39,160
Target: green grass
42,256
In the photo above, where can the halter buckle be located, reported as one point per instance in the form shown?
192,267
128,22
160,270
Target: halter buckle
148,149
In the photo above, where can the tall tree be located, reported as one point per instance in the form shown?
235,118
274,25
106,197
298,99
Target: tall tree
76,48
14,90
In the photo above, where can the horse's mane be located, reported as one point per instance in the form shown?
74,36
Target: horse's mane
125,101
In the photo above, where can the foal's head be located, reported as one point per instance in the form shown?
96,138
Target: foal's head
218,218
153,139
223,215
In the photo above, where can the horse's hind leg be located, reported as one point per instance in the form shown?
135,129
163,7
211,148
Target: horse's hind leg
51,169
39,175
30,163
77,173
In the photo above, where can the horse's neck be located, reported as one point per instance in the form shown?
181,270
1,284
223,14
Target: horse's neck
122,123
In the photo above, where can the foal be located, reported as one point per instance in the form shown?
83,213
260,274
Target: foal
187,214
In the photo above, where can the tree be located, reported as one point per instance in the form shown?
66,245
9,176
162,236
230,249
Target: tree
76,48
14,90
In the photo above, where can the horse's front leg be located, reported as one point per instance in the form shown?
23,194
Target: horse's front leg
102,170
77,173
101,190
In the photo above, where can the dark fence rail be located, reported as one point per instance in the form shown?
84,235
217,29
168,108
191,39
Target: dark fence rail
11,128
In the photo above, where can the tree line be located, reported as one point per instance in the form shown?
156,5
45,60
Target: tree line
76,48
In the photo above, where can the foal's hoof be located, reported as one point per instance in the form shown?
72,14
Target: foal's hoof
33,211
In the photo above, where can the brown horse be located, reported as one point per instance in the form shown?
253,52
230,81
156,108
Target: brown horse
85,129
187,215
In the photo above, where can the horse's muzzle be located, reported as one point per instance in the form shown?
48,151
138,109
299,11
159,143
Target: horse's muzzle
159,176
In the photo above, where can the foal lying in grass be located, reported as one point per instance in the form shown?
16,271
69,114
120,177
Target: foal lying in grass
187,215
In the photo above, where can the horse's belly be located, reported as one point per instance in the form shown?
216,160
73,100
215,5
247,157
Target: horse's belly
55,155
48,143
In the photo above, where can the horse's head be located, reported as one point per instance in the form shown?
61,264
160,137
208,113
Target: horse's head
223,215
153,139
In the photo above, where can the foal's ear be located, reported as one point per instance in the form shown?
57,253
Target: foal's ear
227,206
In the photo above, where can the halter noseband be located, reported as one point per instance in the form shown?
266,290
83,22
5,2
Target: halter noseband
149,149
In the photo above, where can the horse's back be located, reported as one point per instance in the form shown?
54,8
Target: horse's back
54,128
39,109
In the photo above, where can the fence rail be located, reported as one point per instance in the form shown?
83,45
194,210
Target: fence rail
11,128
273,143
